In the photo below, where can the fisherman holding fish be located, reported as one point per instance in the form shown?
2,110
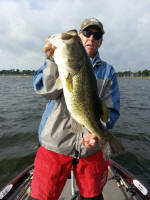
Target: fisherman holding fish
83,103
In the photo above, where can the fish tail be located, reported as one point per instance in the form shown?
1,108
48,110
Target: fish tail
111,146
115,144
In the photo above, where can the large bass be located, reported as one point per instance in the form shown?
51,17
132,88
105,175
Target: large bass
80,87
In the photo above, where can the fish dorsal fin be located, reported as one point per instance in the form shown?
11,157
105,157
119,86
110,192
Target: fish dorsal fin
105,111
69,34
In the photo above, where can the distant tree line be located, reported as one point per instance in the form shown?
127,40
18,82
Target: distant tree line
144,73
16,72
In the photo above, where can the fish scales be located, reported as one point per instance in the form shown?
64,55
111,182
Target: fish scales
85,100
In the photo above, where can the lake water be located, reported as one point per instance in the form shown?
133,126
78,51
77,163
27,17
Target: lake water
20,114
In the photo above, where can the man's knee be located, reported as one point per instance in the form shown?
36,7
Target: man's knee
99,197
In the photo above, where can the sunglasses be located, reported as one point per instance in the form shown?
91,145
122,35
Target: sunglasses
96,35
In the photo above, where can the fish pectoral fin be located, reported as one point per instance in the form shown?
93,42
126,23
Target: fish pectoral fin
105,111
69,82
59,83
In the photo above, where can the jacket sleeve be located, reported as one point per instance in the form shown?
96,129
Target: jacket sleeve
44,80
114,108
109,93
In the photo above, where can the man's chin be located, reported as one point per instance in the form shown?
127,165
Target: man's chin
90,52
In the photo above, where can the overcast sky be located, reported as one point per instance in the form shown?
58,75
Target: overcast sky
25,24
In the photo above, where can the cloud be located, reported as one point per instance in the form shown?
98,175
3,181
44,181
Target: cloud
25,24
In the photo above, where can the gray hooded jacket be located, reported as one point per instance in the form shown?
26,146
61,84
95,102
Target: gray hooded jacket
55,131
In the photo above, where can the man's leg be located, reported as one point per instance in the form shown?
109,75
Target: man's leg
91,176
51,171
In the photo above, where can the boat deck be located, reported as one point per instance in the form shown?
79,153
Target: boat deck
112,190
119,186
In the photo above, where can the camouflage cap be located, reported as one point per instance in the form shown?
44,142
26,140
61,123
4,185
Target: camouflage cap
91,22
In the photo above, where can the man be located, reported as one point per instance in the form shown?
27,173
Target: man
62,150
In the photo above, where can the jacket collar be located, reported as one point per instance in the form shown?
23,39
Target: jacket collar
96,60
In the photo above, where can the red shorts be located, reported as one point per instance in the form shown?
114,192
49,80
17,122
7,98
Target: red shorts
51,171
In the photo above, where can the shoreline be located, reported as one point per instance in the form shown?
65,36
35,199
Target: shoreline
16,75
139,77
130,77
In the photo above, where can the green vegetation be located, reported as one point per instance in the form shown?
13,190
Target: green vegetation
144,73
16,72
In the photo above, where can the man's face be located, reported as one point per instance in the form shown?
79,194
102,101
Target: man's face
91,45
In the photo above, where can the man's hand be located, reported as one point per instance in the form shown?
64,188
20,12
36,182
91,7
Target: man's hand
89,141
49,48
